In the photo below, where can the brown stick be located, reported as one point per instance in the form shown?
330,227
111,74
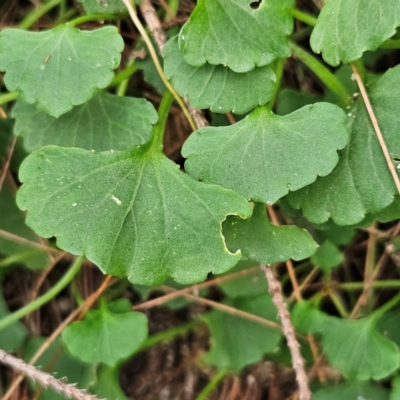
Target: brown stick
6,165
289,332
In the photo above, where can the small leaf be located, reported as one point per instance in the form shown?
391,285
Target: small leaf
237,342
327,256
217,87
232,33
357,349
260,240
103,123
361,182
132,213
262,156
103,6
352,390
345,29
106,337
59,68
308,319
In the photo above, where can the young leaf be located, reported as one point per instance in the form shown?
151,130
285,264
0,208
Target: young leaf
132,213
237,342
327,256
103,123
232,33
261,241
106,337
357,349
263,156
308,319
345,29
217,87
361,183
59,68
352,390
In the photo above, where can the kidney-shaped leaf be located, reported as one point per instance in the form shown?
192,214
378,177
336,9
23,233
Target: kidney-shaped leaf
358,350
237,342
361,183
132,213
105,336
103,123
264,156
260,240
345,29
59,68
232,33
217,87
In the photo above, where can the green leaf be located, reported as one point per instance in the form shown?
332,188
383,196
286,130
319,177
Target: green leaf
388,326
107,385
59,68
361,183
217,87
252,285
395,393
327,256
103,6
308,319
103,123
263,156
12,337
12,220
133,213
352,390
105,336
290,100
345,29
230,344
358,350
232,33
260,240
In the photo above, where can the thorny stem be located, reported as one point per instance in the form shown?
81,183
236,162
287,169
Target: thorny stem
323,73
157,64
275,289
376,127
45,379
34,305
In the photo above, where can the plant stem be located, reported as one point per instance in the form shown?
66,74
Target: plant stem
323,73
385,284
31,18
303,17
7,97
209,388
386,307
159,128
124,74
338,304
279,65
95,17
18,258
34,305
123,85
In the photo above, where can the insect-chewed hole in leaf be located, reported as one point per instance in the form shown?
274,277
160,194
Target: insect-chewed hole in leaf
255,4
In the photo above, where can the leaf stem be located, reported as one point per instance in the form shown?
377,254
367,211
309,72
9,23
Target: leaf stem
157,64
323,73
279,65
159,128
376,127
385,284
18,258
303,17
34,305
7,97
32,17
94,17
386,307
124,74
209,388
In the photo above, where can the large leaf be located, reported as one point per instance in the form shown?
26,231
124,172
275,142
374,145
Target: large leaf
345,29
260,240
103,123
352,390
59,68
361,183
232,33
133,213
217,87
237,342
358,350
264,156
105,336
